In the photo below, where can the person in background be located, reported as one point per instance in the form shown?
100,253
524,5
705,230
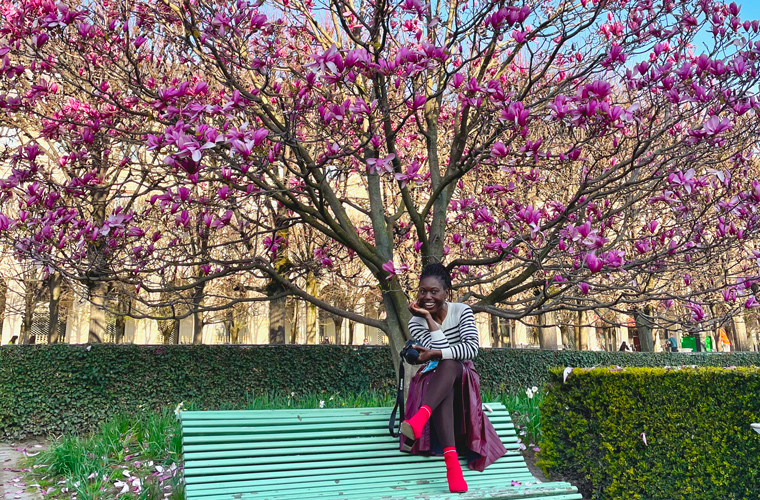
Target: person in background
671,345
325,340
365,341
724,340
624,347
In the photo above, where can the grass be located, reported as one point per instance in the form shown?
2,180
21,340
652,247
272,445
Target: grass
139,454
138,457
525,412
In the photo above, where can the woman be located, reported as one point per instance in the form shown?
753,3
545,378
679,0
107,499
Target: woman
444,396
624,347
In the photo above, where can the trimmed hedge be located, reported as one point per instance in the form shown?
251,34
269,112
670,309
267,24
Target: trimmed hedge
48,390
699,444
64,388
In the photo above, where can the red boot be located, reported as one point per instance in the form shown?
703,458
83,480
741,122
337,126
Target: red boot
457,484
412,427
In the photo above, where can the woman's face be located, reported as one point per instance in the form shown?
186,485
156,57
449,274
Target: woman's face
431,294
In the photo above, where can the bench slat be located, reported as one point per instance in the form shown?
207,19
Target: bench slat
309,464
313,453
295,450
432,488
296,429
302,419
358,470
433,469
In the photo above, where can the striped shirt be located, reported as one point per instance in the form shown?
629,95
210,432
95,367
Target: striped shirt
457,337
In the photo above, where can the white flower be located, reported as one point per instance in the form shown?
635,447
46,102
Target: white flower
534,389
179,408
321,404
529,392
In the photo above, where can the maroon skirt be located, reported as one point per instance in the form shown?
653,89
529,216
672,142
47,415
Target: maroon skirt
476,438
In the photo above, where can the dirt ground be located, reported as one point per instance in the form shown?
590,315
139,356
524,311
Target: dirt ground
12,486
530,459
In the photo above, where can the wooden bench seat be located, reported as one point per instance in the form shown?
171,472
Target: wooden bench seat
335,454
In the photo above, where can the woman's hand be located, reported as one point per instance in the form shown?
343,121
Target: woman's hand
427,354
416,310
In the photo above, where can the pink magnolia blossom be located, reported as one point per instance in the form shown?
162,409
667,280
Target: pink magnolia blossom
378,166
392,271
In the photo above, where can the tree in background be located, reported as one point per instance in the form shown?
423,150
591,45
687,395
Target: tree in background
558,156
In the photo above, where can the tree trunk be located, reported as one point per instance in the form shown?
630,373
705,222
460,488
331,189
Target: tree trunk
338,322
547,333
584,330
167,327
507,333
121,324
197,327
277,320
54,286
3,296
644,327
29,303
567,339
197,314
98,326
311,310
395,317
740,334
495,332
290,316
351,332
294,321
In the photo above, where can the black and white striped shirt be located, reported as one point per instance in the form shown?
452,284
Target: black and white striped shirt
457,337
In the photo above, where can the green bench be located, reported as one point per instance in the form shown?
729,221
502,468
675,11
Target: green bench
341,453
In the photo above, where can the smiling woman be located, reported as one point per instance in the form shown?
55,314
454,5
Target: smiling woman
446,392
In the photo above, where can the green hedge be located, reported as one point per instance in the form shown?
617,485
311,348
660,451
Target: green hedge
67,388
699,444
59,389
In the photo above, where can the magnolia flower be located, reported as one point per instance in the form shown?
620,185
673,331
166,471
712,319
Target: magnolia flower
378,165
390,268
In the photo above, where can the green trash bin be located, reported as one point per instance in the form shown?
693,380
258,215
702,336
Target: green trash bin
688,344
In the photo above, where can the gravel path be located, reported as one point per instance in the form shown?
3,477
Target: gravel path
12,486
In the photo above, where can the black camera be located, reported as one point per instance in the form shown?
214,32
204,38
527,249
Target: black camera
409,353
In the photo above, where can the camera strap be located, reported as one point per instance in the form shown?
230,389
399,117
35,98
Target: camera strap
399,402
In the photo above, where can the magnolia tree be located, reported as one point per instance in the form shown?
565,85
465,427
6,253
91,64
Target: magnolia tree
555,155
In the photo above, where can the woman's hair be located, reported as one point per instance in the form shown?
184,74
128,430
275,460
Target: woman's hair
438,271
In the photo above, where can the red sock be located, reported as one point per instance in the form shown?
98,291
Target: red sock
454,475
419,419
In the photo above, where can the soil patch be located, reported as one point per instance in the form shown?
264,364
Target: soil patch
12,485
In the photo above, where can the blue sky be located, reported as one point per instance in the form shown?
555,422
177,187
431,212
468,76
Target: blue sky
750,10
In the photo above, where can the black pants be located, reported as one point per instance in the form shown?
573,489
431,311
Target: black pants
442,386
